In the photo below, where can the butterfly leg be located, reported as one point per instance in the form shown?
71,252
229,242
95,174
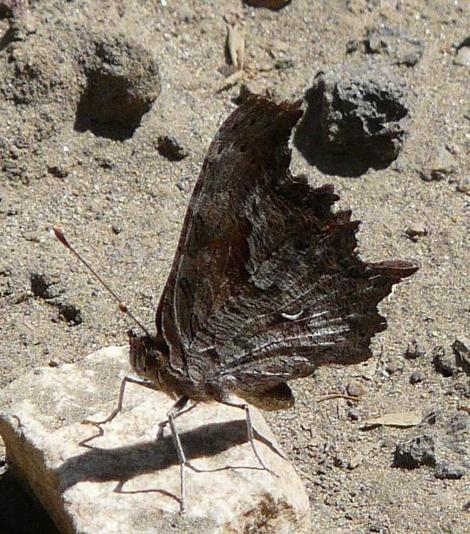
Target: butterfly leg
126,380
249,428
162,425
172,414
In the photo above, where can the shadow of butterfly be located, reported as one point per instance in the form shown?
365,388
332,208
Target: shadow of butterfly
266,283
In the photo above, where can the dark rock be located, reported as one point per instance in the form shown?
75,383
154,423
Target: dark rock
415,453
449,472
354,120
416,377
461,347
170,148
401,49
122,83
6,282
353,414
444,363
58,171
45,286
70,313
413,350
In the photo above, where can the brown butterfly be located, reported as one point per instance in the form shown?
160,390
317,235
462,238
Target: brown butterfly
266,284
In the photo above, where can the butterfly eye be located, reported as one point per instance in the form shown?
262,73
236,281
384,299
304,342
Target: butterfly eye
243,148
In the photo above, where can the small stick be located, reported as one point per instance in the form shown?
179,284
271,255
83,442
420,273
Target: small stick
332,396
122,306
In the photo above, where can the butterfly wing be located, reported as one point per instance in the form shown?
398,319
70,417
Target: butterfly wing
266,283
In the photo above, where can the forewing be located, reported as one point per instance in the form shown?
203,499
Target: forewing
266,283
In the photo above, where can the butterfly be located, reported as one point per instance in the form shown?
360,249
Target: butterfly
266,283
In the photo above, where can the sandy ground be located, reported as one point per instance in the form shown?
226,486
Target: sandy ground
124,204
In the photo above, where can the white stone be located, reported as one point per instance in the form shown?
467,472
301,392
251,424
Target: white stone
125,480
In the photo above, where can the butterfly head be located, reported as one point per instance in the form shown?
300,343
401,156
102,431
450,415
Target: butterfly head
146,356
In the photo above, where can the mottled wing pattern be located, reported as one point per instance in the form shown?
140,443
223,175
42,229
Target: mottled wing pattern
266,283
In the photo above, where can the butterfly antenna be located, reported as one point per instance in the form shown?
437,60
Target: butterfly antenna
122,306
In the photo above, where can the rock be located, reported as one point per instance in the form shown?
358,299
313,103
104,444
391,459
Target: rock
401,49
440,165
416,231
45,286
356,389
393,367
462,55
170,148
416,452
356,118
449,472
413,350
416,377
353,414
463,185
125,480
70,313
122,81
444,363
461,347
7,285
445,444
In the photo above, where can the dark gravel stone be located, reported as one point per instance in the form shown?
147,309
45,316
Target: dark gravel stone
170,148
415,453
44,286
397,45
353,414
413,350
444,363
70,313
461,347
354,120
449,472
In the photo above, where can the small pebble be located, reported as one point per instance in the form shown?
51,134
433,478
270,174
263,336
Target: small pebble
445,471
463,57
415,453
353,414
416,231
413,350
392,367
416,377
444,363
355,390
461,347
170,148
